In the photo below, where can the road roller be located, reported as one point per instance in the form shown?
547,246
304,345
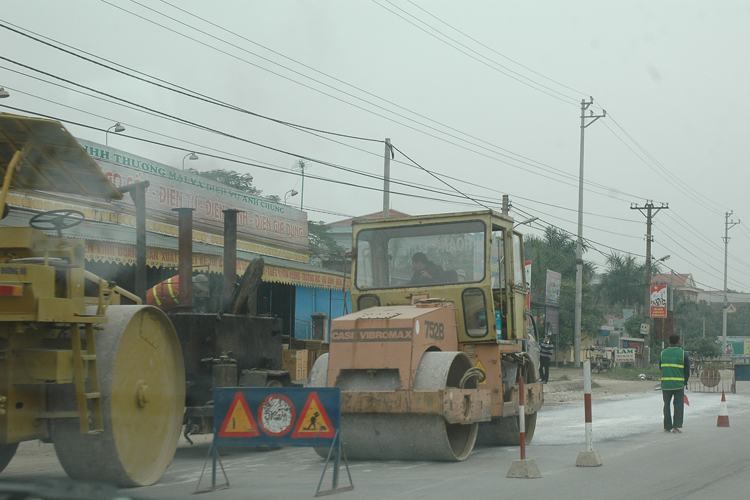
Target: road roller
224,342
102,380
429,362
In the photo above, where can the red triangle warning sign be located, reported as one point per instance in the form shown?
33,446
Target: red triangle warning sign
314,421
239,421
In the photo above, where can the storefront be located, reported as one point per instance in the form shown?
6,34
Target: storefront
266,229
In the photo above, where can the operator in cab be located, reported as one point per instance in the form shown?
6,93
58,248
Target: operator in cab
425,271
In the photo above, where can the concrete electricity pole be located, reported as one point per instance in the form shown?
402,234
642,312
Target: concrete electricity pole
650,213
387,179
579,242
727,224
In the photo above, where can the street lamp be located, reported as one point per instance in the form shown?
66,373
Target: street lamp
289,193
192,156
3,93
118,128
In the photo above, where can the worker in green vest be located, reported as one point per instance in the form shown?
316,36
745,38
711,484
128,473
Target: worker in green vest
675,372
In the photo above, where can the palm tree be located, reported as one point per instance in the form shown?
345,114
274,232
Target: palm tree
624,283
555,251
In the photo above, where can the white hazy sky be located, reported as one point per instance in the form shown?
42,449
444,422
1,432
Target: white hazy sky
484,94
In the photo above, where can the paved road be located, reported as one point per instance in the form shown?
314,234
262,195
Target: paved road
640,461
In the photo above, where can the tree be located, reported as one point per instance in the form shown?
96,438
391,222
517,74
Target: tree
241,182
556,251
324,249
624,283
705,348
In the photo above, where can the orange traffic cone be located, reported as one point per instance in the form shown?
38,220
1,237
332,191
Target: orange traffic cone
723,420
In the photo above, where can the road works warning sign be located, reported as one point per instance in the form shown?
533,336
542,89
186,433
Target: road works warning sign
288,416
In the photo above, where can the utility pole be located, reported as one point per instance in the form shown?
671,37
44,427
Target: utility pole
650,213
387,179
579,242
727,224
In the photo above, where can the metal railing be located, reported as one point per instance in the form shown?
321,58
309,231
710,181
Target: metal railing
302,329
712,375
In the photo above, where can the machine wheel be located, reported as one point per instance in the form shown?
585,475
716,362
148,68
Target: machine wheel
405,436
6,454
506,431
142,385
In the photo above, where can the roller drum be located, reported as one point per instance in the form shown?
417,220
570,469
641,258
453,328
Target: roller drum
142,385
405,436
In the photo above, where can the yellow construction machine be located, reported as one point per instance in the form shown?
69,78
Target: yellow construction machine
430,361
104,382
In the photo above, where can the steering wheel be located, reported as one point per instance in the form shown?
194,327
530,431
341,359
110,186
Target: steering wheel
57,220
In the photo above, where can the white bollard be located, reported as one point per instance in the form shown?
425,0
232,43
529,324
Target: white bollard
589,457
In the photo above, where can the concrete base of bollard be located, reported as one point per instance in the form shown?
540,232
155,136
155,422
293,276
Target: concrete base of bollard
589,459
524,469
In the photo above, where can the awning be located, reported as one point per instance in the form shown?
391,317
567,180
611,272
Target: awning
50,159
109,243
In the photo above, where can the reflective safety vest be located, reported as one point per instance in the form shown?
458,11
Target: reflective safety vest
672,368
164,295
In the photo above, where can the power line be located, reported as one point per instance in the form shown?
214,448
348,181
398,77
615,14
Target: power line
495,51
472,57
539,165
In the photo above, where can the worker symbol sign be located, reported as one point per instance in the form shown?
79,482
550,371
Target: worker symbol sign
288,416
313,421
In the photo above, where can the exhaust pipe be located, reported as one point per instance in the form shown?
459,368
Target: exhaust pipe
230,252
186,256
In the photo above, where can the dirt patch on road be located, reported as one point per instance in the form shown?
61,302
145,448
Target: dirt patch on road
566,386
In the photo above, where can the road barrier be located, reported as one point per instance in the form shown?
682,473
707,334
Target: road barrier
723,420
283,416
589,457
523,468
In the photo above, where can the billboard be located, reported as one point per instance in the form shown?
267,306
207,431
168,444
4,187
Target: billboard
552,288
658,301
528,284
259,219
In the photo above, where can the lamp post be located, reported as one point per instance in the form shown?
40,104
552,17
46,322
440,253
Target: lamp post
118,128
289,193
3,93
192,156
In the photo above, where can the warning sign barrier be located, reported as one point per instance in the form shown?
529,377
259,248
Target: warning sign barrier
280,416
277,416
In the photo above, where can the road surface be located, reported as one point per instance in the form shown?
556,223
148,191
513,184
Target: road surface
639,461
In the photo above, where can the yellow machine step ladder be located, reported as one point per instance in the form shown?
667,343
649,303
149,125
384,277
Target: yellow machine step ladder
79,369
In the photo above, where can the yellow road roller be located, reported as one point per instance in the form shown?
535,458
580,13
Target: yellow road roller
429,362
104,382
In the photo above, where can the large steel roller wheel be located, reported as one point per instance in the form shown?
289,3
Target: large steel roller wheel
406,436
506,431
142,385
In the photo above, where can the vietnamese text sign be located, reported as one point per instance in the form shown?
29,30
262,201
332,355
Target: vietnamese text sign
552,318
283,416
625,355
171,188
658,301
